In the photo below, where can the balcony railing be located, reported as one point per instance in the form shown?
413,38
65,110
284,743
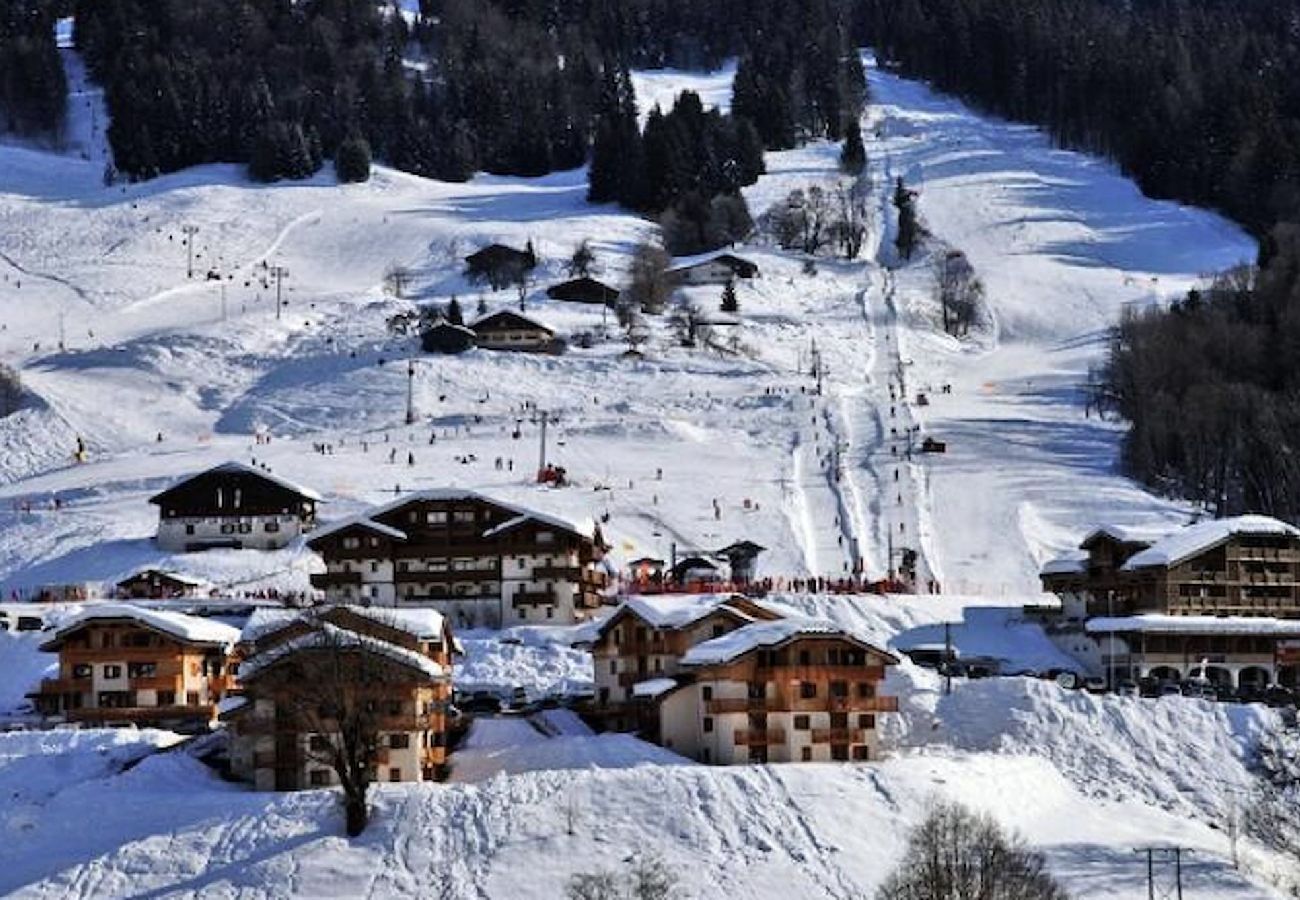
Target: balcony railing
723,705
530,598
838,736
139,713
751,737
324,580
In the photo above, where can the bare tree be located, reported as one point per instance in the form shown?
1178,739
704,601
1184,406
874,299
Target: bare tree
651,284
852,215
955,854
582,260
644,878
339,689
804,220
960,292
688,321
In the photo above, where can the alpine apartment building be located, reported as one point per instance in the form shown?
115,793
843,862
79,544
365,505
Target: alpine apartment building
125,665
233,506
305,674
480,561
725,680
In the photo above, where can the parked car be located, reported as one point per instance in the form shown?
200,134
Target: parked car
1170,689
1276,695
1095,685
1127,688
1148,687
1203,690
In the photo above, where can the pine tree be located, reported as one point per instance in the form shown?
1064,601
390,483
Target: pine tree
454,315
729,302
853,157
352,160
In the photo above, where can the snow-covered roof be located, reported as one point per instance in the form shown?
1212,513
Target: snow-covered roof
227,705
486,318
761,634
191,580
237,468
1126,534
329,636
678,610
178,625
425,624
584,527
1069,564
359,521
1194,539
682,263
1163,624
653,687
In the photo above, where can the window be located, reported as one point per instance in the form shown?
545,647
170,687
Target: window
189,529
805,658
394,774
112,671
139,639
708,724
839,688
81,670
618,636
807,689
192,698
399,741
319,777
840,752
550,612
866,689
318,743
245,527
861,753
436,517
719,630
463,516
866,720
141,670
705,755
613,667
806,754
707,692
801,723
521,614
374,566
271,527
166,698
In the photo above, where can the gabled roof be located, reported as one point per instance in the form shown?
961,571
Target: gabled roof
361,521
327,636
676,611
585,528
238,468
190,629
1125,534
496,249
744,546
424,624
737,643
1074,563
182,578
444,325
1196,539
508,318
730,260
582,288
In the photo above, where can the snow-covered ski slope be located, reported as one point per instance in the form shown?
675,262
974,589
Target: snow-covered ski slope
1062,243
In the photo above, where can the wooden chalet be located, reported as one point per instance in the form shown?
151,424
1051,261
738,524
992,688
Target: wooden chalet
584,290
481,561
742,558
233,506
445,337
383,670
712,268
510,330
125,665
155,584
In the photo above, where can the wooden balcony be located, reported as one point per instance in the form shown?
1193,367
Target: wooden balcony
752,737
839,736
325,580
141,713
533,598
724,705
447,576
1263,554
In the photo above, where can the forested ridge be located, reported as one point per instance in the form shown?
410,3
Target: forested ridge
32,84
1197,100
1211,388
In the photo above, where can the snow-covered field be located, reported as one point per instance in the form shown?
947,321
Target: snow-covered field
162,374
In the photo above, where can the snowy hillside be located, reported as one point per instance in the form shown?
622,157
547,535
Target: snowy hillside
163,374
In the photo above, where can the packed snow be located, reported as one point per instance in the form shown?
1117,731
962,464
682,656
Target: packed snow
163,375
